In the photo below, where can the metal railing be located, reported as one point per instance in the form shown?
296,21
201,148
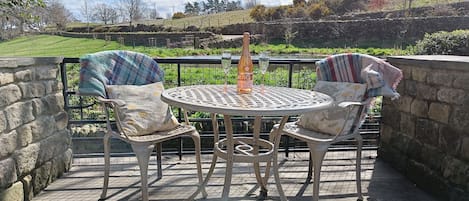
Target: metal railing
85,116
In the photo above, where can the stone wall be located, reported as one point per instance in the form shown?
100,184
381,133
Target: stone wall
425,134
149,39
35,145
352,32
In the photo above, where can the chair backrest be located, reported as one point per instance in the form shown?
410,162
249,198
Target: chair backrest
116,67
381,79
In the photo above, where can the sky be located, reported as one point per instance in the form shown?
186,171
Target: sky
164,7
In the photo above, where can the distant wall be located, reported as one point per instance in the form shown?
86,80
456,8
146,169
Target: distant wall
425,134
35,144
159,39
352,31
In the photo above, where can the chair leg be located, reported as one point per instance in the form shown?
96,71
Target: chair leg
195,136
317,156
159,149
107,164
275,137
358,166
310,169
143,156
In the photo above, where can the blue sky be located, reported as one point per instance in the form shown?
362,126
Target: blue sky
164,7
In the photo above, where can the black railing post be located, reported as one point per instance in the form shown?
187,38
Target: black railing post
290,78
63,74
180,113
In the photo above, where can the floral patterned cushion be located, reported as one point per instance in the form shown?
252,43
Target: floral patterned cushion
331,121
142,111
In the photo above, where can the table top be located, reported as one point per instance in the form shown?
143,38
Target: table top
274,101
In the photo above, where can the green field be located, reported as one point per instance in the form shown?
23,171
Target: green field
48,45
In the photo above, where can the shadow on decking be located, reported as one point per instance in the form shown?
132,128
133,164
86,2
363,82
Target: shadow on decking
379,181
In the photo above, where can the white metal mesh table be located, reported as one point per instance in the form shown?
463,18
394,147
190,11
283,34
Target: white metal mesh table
272,101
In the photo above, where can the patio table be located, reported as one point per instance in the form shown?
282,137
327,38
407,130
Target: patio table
272,101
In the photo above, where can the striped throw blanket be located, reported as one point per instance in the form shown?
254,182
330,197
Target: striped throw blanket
381,78
116,68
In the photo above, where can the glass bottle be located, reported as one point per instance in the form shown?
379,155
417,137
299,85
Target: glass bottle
245,68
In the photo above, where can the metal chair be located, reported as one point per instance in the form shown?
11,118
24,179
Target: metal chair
352,68
102,69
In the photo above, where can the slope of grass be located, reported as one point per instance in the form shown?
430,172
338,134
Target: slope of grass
48,45
203,21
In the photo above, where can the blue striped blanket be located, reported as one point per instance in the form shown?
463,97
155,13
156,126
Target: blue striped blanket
116,67
381,78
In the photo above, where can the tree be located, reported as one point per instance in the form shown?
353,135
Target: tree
377,4
85,12
104,13
258,13
57,13
16,15
132,9
250,3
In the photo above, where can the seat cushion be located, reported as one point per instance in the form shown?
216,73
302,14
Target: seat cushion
142,111
331,120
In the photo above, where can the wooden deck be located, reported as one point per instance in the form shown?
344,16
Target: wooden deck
379,181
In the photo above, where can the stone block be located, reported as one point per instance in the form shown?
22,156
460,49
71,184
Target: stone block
24,75
52,146
386,133
41,177
46,73
3,122
14,193
6,78
25,135
67,159
10,94
465,148
411,88
440,78
28,187
427,131
419,74
449,95
407,124
32,89
19,114
461,81
459,117
55,103
8,143
390,117
426,92
7,172
51,86
450,140
61,120
419,108
406,71
439,112
39,106
26,159
455,171
403,103
43,127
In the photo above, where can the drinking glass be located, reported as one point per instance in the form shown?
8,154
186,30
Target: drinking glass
263,65
226,64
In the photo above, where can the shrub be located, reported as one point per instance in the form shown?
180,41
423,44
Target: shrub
318,10
258,13
178,15
448,43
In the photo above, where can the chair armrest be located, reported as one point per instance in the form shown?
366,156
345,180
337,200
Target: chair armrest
113,102
351,103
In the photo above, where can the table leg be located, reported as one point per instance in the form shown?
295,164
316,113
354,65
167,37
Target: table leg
229,159
216,134
257,171
275,138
